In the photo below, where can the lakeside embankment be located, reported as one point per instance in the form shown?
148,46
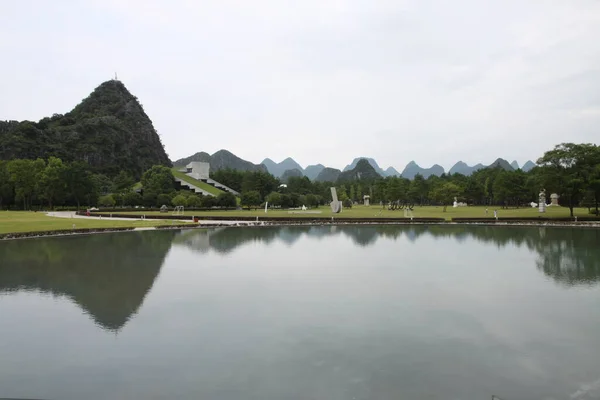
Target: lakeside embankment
68,223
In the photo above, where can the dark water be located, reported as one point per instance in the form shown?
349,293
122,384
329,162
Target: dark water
303,313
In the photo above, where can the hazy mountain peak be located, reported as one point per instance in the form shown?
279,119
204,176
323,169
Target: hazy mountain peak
391,171
528,166
277,169
221,159
412,169
312,171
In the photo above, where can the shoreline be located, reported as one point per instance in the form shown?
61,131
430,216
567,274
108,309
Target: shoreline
204,224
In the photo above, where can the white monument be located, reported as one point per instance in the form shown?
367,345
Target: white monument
336,205
366,199
542,201
553,200
455,204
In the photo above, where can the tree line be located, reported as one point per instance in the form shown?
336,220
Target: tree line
570,170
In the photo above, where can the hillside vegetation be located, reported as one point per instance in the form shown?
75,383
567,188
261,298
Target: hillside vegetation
108,130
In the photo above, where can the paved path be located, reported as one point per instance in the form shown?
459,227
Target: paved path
73,214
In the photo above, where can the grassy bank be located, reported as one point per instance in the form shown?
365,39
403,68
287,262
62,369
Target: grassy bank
28,221
378,212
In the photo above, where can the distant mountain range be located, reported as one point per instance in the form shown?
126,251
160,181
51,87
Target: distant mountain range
412,169
278,169
312,171
220,160
362,170
328,175
463,169
371,161
289,167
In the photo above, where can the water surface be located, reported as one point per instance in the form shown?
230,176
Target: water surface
348,312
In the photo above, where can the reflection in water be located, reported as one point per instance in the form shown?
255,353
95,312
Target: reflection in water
327,312
568,255
107,275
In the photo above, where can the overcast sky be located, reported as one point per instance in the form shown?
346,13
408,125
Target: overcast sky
320,81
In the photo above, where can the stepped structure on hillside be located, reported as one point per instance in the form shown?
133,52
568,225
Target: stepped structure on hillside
200,171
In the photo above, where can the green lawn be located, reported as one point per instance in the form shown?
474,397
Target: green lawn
29,221
378,212
202,185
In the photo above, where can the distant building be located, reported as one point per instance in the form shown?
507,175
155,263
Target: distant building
198,170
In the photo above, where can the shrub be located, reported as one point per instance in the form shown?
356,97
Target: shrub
132,199
163,199
106,201
179,200
226,200
194,201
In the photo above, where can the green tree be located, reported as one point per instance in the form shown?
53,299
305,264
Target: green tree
24,175
473,192
274,199
6,186
51,182
123,182
158,179
510,188
210,201
312,200
106,201
226,200
250,199
132,199
163,199
262,182
444,193
149,198
102,183
568,170
179,200
194,201
80,183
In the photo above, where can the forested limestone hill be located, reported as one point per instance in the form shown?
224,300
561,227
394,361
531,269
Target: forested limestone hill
109,130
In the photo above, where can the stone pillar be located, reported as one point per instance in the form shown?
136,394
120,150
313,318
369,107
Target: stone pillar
542,201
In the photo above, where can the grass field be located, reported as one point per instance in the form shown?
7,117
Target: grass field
28,221
202,185
378,212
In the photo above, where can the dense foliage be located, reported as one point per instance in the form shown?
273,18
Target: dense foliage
108,130
570,170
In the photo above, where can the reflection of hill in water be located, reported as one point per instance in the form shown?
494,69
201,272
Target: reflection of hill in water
568,255
107,275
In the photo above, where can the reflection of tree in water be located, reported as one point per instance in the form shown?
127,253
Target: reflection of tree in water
107,275
568,255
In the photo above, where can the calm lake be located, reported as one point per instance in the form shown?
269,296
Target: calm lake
331,313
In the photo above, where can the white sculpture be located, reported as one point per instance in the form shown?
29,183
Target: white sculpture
542,201
336,205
